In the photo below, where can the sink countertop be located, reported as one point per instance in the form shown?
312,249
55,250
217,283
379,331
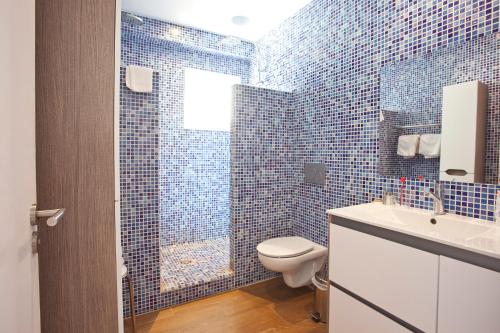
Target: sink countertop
463,232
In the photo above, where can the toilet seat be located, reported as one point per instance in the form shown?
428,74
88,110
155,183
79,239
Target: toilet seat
285,247
297,258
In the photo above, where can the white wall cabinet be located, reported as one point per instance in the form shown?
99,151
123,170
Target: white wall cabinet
463,132
469,298
430,292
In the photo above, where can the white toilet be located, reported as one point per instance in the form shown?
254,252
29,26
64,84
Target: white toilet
296,257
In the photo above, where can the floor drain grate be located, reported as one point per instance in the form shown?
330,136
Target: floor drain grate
187,261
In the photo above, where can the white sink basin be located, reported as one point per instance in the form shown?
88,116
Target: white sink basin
459,231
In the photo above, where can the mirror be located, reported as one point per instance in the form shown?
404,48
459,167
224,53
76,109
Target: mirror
440,114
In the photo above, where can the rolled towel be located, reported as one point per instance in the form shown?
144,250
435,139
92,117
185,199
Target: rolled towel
430,145
139,79
408,145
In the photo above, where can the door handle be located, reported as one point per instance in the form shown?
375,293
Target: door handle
54,215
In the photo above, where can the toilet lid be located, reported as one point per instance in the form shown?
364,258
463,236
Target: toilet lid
285,247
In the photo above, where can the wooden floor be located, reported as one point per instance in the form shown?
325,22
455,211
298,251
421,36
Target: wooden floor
266,307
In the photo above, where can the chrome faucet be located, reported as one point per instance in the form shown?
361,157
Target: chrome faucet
438,196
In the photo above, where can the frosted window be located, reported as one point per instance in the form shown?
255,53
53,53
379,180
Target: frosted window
207,100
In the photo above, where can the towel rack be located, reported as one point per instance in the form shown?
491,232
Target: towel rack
411,126
418,126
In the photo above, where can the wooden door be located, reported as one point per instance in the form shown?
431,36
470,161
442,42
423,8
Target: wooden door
75,166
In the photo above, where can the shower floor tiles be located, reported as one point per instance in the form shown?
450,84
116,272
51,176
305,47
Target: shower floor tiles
189,264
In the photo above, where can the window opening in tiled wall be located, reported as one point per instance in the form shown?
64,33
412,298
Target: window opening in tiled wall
207,99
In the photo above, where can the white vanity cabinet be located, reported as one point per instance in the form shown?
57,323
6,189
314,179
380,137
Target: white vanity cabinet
347,315
469,298
384,281
397,278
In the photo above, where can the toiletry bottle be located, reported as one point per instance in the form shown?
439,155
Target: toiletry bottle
402,191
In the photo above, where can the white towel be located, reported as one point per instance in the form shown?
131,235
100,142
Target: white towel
430,145
408,145
139,79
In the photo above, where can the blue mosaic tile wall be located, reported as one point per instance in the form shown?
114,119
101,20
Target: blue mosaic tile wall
185,37
413,88
139,190
330,55
194,172
262,169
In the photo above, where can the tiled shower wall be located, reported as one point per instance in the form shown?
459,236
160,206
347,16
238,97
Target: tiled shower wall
183,185
193,166
188,172
330,55
262,169
139,190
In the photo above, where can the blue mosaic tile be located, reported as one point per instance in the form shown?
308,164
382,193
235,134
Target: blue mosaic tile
328,59
185,37
261,172
183,193
195,198
139,190
413,88
330,54
188,264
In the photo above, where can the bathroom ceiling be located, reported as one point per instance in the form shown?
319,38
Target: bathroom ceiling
217,15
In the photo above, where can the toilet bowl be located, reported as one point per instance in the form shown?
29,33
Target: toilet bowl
296,257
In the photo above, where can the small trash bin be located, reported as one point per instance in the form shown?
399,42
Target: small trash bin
320,311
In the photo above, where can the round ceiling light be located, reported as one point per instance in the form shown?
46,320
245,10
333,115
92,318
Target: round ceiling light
240,20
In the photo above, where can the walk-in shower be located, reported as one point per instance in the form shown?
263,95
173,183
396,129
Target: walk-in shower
204,165
195,175
175,161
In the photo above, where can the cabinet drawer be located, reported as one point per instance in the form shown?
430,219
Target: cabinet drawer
397,278
469,298
347,315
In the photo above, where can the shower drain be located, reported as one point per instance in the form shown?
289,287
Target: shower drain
187,261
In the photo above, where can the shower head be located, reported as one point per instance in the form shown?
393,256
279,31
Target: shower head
132,19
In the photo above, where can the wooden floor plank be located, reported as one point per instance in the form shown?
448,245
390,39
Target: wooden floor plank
266,307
